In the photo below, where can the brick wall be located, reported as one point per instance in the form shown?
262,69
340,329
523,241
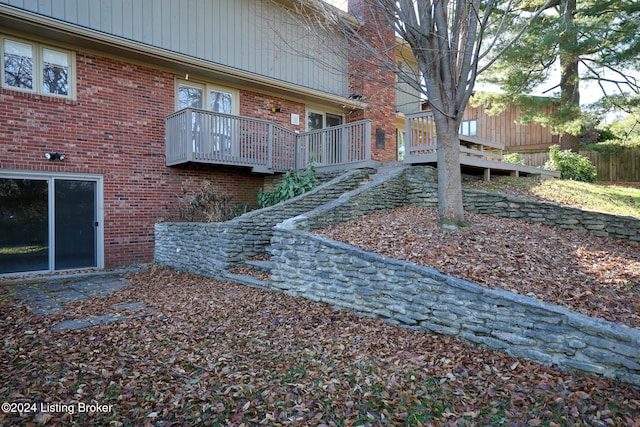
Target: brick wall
253,104
115,128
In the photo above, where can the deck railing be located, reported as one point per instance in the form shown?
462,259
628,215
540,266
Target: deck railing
420,133
421,142
201,136
336,145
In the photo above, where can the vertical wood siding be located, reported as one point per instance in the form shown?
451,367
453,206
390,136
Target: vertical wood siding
251,35
408,100
502,128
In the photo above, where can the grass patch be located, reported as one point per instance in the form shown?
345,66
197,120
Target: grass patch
613,199
619,200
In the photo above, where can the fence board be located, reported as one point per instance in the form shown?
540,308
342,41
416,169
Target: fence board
620,166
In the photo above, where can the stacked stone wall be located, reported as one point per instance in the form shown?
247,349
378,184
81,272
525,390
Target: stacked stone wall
320,269
211,249
331,272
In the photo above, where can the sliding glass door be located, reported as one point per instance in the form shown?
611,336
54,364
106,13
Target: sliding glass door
48,223
75,224
24,225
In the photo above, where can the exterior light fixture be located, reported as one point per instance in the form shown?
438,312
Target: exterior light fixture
54,156
276,109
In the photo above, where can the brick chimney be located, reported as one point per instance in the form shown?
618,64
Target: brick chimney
375,83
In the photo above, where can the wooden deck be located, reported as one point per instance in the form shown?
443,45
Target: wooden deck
200,136
475,153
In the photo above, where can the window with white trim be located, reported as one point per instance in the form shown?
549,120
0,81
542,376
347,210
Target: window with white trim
32,67
212,133
206,96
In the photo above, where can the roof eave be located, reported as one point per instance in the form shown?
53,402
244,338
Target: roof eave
23,21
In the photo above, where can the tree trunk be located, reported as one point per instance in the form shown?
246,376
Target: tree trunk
569,78
450,206
569,142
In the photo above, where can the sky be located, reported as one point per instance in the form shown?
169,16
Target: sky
342,4
588,92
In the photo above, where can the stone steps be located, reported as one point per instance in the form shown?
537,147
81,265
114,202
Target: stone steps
247,280
260,265
251,272
390,168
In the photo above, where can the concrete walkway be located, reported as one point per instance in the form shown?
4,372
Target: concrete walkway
48,295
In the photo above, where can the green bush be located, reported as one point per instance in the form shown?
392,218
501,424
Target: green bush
513,158
570,165
293,184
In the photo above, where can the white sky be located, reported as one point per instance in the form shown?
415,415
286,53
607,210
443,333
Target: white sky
588,92
342,4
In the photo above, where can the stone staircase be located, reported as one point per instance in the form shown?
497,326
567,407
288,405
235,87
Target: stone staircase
387,169
255,272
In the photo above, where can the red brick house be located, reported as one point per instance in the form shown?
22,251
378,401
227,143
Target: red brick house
99,102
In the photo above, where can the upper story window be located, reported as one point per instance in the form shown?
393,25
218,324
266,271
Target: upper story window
206,97
33,67
469,127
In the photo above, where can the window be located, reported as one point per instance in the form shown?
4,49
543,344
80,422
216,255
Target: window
212,133
318,120
35,68
469,127
208,97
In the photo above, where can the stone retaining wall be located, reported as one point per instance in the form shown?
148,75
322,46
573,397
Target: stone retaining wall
211,249
323,270
591,222
424,192
338,274
332,272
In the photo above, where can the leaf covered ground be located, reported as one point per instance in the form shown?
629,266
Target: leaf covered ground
596,276
215,353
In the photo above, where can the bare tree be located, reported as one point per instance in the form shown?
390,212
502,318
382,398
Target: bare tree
447,42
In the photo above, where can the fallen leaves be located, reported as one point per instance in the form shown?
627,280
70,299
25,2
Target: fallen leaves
214,353
596,276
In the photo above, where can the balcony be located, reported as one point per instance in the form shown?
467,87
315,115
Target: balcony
200,136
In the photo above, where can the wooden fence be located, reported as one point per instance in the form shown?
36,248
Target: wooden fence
621,166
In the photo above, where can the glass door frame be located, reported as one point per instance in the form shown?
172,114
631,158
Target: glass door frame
317,149
217,134
99,213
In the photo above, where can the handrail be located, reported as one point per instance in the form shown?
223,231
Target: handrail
194,135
